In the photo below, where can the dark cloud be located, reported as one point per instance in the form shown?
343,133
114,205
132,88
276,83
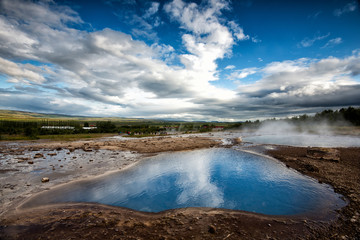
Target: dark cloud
39,104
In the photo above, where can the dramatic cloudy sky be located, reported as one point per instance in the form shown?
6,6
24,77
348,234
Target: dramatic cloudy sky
178,59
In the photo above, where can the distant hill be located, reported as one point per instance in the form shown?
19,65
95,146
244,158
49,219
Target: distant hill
31,116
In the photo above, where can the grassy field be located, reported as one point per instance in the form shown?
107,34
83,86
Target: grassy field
61,137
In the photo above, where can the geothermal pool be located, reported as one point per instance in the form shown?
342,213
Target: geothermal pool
219,178
305,140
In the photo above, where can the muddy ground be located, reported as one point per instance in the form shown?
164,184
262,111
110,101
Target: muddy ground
337,167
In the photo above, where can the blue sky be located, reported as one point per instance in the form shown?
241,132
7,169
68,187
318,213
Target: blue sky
191,60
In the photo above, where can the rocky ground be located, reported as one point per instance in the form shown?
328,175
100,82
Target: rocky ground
337,167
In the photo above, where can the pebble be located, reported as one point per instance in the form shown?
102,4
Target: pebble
212,229
45,179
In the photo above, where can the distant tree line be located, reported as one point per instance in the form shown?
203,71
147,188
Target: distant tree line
34,128
338,117
344,116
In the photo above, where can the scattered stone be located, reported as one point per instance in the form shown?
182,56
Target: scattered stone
30,162
45,179
52,154
212,229
310,168
38,155
238,140
328,154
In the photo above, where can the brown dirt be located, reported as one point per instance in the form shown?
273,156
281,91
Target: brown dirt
95,221
339,167
146,145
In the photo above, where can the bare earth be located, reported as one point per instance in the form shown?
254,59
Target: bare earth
22,165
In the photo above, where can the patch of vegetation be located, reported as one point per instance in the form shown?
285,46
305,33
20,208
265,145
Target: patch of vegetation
15,125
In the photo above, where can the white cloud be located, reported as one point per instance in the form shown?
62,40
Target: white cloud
308,42
21,72
256,39
304,77
108,68
350,7
239,31
243,73
108,72
230,67
152,10
333,42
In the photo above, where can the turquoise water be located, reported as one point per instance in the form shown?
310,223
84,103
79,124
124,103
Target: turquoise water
219,178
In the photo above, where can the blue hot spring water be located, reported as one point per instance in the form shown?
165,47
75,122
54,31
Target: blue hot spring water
219,178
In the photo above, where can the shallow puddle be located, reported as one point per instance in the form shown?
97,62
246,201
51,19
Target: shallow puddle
220,178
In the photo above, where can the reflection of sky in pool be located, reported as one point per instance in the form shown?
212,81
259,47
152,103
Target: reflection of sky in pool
305,140
221,178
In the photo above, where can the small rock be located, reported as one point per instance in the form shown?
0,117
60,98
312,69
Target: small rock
45,179
353,219
212,229
238,140
38,155
30,162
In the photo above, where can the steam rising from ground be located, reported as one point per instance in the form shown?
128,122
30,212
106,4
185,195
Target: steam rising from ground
287,128
307,133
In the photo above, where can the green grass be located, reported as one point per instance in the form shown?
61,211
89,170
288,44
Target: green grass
60,137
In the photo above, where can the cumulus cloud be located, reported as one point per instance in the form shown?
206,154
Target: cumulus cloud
207,39
53,67
107,68
239,31
350,7
307,82
21,72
